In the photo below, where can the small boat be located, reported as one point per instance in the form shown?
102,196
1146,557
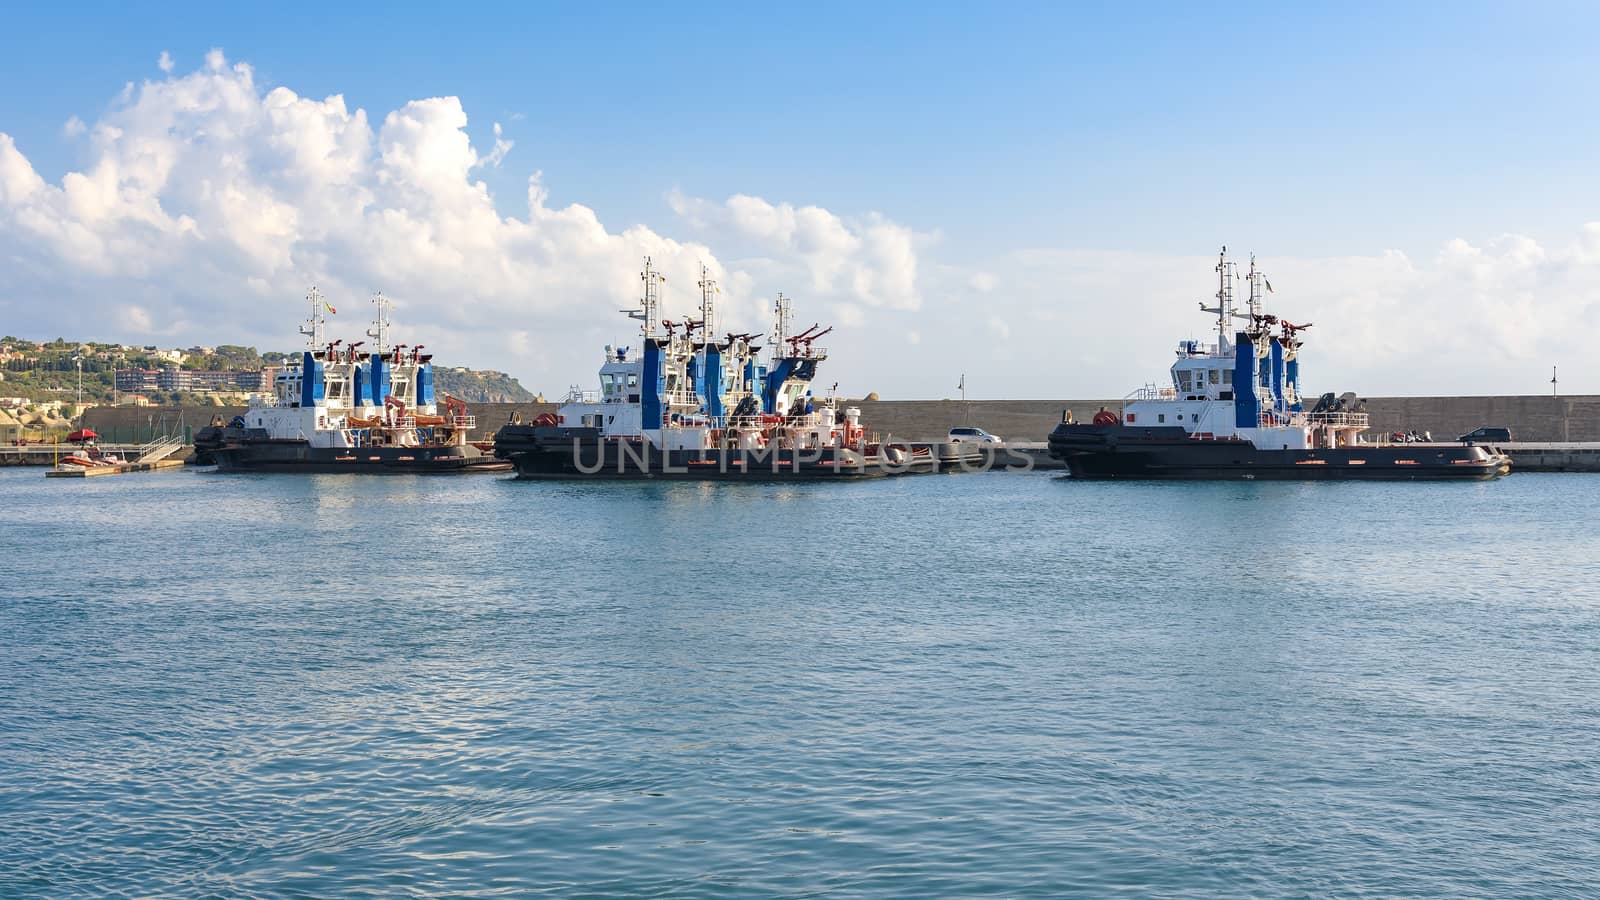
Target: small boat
1234,409
87,455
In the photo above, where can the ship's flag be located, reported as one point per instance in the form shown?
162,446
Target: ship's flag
329,307
1269,286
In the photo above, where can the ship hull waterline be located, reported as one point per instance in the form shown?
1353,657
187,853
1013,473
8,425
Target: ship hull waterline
1120,451
558,455
299,456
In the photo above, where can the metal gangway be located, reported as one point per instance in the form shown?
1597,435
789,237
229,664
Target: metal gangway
159,449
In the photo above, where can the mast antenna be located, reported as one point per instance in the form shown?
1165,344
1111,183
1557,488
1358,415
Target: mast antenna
708,288
313,327
379,331
708,301
781,324
1256,278
1227,273
649,311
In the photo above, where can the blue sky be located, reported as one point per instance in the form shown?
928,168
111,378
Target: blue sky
1159,131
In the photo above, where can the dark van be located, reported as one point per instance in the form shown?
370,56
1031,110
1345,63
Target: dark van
1487,435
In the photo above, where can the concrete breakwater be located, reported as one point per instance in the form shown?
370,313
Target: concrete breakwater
1530,418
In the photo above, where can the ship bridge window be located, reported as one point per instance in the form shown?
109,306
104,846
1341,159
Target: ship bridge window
1215,375
1227,376
633,379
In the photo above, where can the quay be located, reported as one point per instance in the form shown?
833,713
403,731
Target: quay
48,454
1553,434
1553,456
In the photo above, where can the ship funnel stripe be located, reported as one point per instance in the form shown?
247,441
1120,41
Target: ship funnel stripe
652,384
425,385
1277,374
1246,408
380,379
713,380
312,389
774,383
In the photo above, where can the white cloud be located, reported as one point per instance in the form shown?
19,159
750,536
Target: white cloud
74,127
501,148
868,260
208,203
135,319
1473,318
164,61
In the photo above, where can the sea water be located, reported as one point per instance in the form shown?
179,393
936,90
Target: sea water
1006,684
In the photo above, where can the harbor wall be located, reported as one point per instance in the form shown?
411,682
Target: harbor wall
1530,418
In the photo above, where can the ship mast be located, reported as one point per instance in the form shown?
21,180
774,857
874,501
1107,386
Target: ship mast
1227,273
379,331
780,325
1256,279
708,288
649,311
313,327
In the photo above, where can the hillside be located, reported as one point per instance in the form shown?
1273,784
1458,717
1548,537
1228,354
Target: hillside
480,386
49,370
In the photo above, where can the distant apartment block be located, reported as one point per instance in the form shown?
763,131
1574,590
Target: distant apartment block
172,378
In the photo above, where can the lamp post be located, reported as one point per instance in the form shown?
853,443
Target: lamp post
79,361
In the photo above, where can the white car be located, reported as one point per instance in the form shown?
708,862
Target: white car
972,436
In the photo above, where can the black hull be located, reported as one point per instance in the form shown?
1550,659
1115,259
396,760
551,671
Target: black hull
555,452
299,456
1121,451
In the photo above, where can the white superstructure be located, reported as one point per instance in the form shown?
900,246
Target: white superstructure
1246,385
337,397
684,388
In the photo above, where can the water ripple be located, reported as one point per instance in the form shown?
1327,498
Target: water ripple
998,684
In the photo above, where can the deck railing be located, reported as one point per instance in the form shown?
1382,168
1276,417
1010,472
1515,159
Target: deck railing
1152,392
1339,419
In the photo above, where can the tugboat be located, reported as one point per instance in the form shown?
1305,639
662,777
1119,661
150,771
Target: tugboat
339,410
688,405
1234,410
